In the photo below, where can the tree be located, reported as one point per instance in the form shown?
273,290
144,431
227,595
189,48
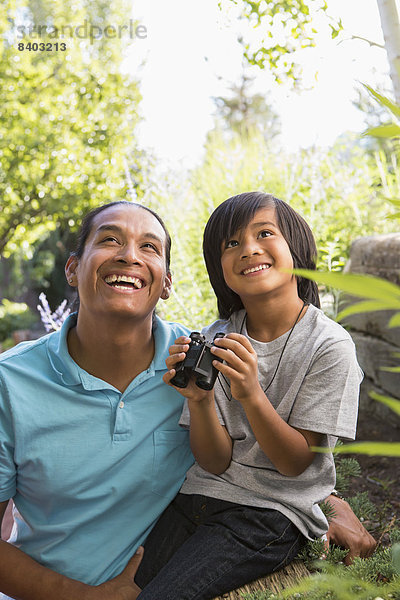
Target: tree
67,119
244,112
289,26
284,26
390,23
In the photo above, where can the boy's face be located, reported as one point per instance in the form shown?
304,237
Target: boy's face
252,258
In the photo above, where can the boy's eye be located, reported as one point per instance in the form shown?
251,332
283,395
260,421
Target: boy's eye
264,233
231,243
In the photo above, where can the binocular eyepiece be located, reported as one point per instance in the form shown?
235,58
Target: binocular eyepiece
198,361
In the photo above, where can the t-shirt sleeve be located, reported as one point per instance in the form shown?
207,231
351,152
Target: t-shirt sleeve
327,401
7,466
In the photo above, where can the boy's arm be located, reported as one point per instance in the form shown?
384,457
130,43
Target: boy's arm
287,447
23,578
210,442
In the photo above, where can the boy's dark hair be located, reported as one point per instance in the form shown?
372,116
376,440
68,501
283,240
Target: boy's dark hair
236,213
86,227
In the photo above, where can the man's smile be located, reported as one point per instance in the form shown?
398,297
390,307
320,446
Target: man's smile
124,282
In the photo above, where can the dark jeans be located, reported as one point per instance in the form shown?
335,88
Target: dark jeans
202,547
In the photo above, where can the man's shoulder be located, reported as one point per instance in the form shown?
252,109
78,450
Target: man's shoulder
171,328
24,350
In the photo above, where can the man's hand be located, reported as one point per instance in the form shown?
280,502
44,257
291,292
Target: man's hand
122,587
346,531
177,353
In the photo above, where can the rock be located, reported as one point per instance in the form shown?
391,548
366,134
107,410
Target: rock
377,255
376,343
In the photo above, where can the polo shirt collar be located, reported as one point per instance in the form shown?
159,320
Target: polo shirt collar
162,342
72,374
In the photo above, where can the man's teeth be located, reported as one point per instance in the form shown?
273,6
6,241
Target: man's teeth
124,279
254,269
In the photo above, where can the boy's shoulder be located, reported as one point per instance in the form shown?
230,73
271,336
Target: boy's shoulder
319,324
235,323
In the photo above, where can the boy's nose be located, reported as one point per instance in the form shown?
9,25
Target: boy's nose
249,249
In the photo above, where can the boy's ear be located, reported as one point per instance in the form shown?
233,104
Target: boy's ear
70,271
167,286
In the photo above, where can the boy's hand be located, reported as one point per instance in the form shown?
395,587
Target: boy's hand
241,365
177,353
347,531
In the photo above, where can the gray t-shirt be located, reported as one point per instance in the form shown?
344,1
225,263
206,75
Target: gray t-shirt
316,388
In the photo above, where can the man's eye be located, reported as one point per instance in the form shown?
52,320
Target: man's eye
231,243
110,239
151,246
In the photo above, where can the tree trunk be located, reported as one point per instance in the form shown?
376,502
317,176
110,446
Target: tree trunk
389,14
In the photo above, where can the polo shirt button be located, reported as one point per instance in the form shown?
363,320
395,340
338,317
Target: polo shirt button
121,404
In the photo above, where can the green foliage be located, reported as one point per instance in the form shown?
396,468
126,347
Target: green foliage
380,294
280,29
365,579
362,506
66,119
243,112
328,510
345,468
335,191
13,316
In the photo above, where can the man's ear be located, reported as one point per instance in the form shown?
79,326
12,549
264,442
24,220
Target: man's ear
167,286
70,271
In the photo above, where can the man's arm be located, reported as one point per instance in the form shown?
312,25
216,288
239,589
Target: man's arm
25,579
347,531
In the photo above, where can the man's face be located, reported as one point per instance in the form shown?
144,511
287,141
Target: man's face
122,271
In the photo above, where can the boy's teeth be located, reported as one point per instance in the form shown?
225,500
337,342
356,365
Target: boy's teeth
125,279
253,269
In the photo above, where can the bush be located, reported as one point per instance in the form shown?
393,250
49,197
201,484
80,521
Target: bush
13,316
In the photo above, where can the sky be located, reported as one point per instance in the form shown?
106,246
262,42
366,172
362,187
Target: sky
191,54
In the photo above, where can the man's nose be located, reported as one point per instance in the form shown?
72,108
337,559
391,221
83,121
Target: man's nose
128,253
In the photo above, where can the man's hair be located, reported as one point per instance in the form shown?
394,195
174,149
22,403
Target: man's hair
87,222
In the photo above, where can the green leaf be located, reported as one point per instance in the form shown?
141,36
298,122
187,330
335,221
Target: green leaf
370,448
394,321
364,286
394,108
390,402
396,557
390,130
367,306
394,216
391,369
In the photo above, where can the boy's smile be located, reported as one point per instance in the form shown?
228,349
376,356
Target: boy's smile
256,269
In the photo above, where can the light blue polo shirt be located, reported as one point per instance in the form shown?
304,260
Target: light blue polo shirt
90,469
